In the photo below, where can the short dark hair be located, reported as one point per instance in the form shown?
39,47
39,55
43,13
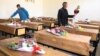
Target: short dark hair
64,3
18,5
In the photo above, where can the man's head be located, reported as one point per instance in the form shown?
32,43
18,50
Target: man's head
64,5
18,6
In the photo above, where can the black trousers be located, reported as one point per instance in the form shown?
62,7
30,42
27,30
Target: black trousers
62,22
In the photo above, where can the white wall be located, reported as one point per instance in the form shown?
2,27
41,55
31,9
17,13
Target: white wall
50,7
89,8
7,7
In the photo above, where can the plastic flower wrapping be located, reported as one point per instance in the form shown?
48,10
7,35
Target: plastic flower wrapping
75,26
26,45
14,23
80,28
57,31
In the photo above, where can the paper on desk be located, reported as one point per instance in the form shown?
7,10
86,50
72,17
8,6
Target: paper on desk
68,26
53,32
26,49
11,24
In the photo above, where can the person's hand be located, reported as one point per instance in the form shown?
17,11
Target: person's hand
11,19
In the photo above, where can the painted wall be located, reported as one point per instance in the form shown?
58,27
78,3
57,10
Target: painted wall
89,8
7,7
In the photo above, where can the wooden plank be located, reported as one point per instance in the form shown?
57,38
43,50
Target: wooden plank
4,20
2,54
47,23
7,29
34,25
90,23
48,18
9,52
74,43
3,37
21,31
95,22
40,27
88,32
12,29
89,26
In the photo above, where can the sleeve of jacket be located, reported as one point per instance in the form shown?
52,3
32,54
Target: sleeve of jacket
26,12
70,16
14,13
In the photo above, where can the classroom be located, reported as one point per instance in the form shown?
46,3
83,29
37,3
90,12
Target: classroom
49,28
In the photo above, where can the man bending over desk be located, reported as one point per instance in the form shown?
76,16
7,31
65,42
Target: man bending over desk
23,14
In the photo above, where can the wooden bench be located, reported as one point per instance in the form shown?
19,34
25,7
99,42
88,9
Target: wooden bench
9,52
79,44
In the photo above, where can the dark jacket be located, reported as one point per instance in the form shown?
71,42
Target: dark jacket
63,16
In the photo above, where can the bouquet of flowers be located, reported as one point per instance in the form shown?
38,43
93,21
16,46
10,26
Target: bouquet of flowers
76,11
87,21
80,28
26,45
14,23
57,31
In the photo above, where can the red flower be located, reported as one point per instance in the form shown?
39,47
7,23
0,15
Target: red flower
36,48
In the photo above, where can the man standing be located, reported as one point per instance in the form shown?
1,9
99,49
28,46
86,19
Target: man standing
63,15
23,13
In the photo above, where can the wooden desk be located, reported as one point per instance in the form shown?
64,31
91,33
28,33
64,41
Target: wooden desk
79,44
9,52
47,23
95,22
15,30
34,25
90,23
4,20
88,32
89,26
